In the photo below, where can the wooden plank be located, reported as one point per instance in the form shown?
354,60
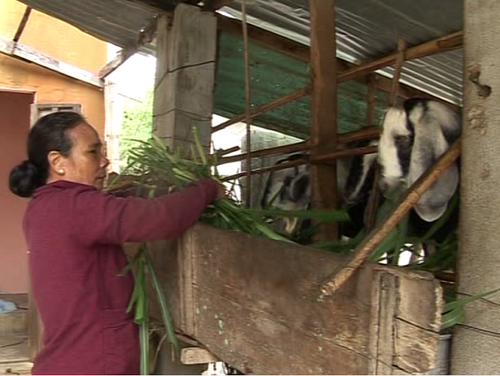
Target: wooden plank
366,133
22,25
29,54
35,328
326,158
414,347
197,355
398,67
324,109
267,316
264,108
449,42
216,4
256,305
144,37
16,368
14,349
385,305
372,96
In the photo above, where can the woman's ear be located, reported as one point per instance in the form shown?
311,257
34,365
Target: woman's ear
57,163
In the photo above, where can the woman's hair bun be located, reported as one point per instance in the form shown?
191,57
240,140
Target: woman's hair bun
24,179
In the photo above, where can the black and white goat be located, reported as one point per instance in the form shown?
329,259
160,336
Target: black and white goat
290,189
413,137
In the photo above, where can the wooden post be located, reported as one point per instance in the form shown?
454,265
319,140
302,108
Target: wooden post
185,76
324,107
476,343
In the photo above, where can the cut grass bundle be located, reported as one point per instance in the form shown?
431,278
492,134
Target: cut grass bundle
157,167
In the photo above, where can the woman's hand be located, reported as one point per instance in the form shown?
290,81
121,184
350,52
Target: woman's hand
222,193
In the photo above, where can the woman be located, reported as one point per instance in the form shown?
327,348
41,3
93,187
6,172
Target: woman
75,234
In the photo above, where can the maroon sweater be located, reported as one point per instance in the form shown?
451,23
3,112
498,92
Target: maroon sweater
74,235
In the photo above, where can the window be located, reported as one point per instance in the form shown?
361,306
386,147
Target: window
41,109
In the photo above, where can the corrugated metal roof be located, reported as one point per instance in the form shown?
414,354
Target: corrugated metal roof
368,29
115,21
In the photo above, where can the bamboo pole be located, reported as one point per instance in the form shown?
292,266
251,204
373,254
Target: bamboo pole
277,167
331,157
374,195
365,133
372,96
279,150
405,204
248,189
221,153
265,108
393,96
447,43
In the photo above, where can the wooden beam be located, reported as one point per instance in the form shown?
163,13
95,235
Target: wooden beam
335,281
259,171
398,68
264,108
279,150
324,109
197,355
447,43
372,97
22,25
30,55
155,5
366,133
215,4
145,36
330,159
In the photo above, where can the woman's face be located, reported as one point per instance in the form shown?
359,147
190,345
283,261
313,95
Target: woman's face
86,163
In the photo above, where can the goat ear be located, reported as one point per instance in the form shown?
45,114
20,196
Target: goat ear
436,127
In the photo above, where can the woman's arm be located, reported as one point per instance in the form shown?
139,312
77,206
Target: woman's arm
106,219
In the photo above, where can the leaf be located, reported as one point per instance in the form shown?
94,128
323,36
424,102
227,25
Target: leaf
141,303
167,319
456,316
462,301
453,312
324,215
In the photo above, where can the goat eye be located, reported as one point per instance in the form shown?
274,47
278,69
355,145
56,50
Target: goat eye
402,140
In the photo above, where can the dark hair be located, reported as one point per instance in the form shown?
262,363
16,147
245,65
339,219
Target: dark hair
48,134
